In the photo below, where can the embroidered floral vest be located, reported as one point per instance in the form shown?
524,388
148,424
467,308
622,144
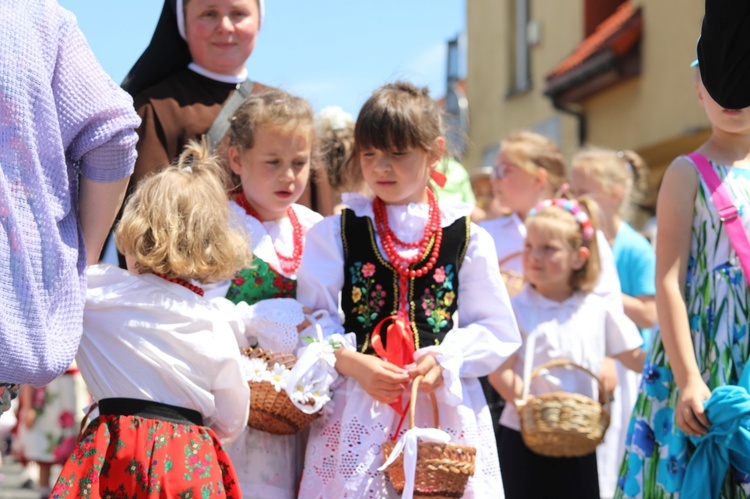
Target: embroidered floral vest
370,291
260,282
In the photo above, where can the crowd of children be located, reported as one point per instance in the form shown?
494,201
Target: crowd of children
402,289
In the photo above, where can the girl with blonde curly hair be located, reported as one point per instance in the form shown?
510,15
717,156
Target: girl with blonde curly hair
160,359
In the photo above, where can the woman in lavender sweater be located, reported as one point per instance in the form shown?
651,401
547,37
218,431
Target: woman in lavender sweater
67,148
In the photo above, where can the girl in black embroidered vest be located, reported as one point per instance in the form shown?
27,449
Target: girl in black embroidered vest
401,269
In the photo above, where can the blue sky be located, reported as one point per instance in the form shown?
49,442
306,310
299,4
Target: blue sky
332,52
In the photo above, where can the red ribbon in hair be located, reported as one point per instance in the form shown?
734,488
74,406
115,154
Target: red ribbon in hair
399,348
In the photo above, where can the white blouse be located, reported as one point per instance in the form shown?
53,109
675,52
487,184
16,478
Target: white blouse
266,238
584,329
147,338
509,234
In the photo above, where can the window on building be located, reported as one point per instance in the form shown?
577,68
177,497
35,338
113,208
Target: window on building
520,71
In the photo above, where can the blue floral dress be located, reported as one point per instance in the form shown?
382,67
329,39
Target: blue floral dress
716,295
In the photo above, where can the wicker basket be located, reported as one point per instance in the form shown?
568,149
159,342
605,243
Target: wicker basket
562,424
272,411
442,469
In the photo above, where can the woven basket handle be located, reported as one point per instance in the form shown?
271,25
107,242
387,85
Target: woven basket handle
528,375
413,404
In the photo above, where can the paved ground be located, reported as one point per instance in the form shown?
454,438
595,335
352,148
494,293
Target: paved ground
10,482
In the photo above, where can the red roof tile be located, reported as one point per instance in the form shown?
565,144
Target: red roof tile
619,32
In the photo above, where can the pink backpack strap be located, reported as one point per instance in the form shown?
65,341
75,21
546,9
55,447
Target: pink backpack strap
727,211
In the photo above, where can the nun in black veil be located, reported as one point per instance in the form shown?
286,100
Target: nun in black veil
194,63
184,81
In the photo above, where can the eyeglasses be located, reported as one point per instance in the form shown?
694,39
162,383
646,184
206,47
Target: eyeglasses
501,168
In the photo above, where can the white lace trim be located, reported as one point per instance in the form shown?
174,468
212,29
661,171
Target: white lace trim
273,323
343,456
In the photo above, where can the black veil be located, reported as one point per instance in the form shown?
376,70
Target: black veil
166,54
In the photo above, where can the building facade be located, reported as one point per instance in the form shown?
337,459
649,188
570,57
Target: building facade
609,73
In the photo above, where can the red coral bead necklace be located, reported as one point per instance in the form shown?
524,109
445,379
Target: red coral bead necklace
433,233
182,282
390,241
289,264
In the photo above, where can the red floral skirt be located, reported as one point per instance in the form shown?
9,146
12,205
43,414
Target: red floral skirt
133,457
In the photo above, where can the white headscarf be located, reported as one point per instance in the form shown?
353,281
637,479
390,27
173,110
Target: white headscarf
181,16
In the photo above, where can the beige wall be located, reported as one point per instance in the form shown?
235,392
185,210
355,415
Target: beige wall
655,114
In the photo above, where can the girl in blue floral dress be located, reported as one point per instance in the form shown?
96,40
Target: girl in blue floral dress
702,303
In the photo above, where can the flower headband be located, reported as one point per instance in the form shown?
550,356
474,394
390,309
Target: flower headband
572,207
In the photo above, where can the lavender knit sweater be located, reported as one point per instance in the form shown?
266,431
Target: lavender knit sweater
61,116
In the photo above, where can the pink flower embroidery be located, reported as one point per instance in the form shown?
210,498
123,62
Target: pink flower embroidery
64,448
66,419
368,269
439,274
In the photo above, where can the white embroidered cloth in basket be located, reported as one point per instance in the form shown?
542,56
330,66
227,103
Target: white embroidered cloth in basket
274,324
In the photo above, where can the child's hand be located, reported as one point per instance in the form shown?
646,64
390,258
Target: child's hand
305,323
608,375
383,381
690,415
428,367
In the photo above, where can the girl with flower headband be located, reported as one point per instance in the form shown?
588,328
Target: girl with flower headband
559,313
272,150
160,359
398,268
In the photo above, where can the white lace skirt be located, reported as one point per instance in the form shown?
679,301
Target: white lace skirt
344,449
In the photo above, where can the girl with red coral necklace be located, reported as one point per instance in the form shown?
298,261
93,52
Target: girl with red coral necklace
271,151
403,271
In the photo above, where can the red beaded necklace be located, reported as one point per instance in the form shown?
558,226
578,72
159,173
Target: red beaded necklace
289,264
182,282
433,233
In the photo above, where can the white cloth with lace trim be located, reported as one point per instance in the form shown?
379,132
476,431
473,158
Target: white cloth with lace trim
273,324
344,448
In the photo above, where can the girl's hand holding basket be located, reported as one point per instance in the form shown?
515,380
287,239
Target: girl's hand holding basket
383,381
430,370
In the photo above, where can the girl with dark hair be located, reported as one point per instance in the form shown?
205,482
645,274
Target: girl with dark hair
399,267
